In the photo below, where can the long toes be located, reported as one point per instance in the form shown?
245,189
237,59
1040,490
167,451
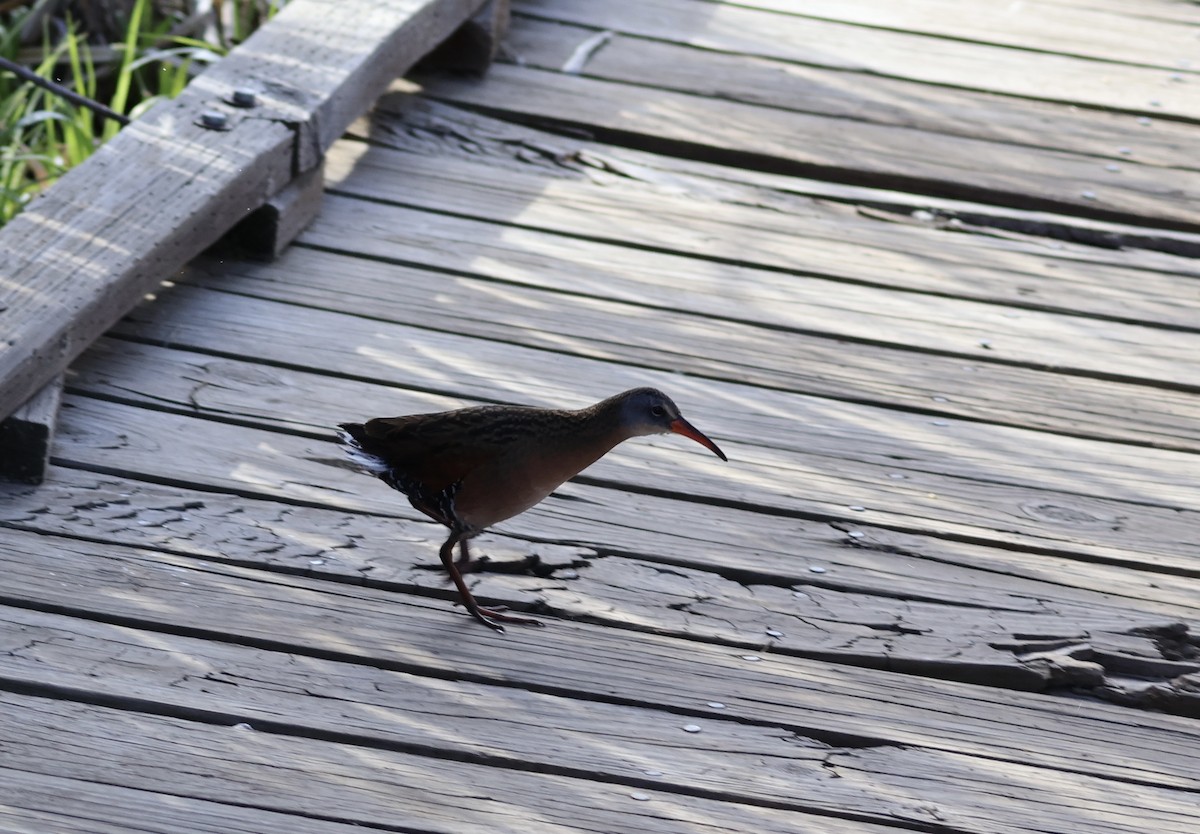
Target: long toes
494,626
497,613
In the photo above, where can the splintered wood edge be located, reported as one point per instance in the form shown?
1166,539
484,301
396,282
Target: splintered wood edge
166,187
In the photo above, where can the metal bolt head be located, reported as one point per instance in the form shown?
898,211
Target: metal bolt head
214,120
244,97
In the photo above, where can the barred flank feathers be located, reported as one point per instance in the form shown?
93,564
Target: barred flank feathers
372,464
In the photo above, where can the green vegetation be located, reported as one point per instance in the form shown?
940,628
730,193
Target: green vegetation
125,54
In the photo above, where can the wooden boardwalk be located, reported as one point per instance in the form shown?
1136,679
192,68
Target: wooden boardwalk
926,271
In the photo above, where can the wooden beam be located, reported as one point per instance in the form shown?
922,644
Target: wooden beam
25,436
167,187
271,228
476,43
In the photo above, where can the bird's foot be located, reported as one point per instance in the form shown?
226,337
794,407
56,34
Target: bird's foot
494,616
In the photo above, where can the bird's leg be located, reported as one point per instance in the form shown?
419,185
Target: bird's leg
465,565
490,617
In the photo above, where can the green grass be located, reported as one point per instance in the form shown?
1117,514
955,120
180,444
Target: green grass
42,136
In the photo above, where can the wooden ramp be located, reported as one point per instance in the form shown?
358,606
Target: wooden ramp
926,271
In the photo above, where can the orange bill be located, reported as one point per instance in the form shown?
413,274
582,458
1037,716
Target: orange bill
682,426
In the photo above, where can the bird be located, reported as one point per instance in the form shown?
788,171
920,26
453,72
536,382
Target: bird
474,467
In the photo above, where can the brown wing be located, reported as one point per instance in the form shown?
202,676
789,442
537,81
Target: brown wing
439,450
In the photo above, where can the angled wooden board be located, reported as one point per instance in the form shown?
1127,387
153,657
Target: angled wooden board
973,331
769,419
393,546
409,122
165,188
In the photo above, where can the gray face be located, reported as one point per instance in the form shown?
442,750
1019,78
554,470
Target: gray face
648,411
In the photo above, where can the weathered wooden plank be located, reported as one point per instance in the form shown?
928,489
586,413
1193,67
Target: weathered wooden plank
1005,485
39,802
1177,11
899,611
500,726
433,128
1009,71
513,727
1114,34
780,554
71,268
899,158
26,435
165,187
973,644
519,311
345,783
975,331
1101,137
487,134
734,544
792,238
855,434
839,704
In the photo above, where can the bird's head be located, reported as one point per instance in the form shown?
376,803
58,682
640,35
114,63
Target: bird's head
649,411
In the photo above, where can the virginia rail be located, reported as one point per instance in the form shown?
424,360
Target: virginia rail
474,467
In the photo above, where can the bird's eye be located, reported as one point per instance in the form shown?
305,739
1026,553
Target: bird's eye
658,411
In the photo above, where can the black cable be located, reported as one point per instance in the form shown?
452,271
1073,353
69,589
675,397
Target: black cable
58,89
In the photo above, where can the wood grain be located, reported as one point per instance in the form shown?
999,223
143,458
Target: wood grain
515,280
34,803
739,228
584,524
751,136
430,127
165,188
340,782
878,601
943,61
996,493
838,704
1085,135
634,745
974,331
1123,32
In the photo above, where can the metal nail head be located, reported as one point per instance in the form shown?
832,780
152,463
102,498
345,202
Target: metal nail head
214,120
243,97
